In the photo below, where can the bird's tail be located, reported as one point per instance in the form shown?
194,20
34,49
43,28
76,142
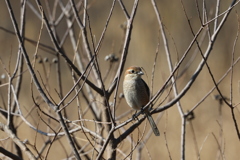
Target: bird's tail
153,124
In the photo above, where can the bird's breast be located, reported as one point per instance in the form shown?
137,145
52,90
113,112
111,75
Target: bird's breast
135,94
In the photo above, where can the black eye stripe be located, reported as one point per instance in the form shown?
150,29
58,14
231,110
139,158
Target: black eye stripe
131,71
134,70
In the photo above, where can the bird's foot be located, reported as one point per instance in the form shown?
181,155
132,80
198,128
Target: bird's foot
142,111
134,116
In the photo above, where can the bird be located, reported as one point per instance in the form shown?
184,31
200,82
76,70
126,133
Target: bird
137,93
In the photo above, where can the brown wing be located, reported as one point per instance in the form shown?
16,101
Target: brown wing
146,86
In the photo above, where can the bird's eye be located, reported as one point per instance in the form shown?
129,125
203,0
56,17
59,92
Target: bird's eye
132,71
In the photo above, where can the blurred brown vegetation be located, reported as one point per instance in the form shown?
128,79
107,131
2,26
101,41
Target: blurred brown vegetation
212,126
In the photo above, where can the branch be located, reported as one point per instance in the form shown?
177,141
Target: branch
17,141
9,154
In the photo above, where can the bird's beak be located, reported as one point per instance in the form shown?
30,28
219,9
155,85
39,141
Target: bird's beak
140,73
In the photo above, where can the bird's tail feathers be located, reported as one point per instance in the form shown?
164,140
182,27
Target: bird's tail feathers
153,124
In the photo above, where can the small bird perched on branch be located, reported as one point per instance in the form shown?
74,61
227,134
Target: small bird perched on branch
137,93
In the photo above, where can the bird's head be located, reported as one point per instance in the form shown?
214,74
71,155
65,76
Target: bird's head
133,73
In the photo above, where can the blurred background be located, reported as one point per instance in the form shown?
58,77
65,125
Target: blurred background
210,135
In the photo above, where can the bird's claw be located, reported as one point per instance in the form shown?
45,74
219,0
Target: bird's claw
134,117
142,111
